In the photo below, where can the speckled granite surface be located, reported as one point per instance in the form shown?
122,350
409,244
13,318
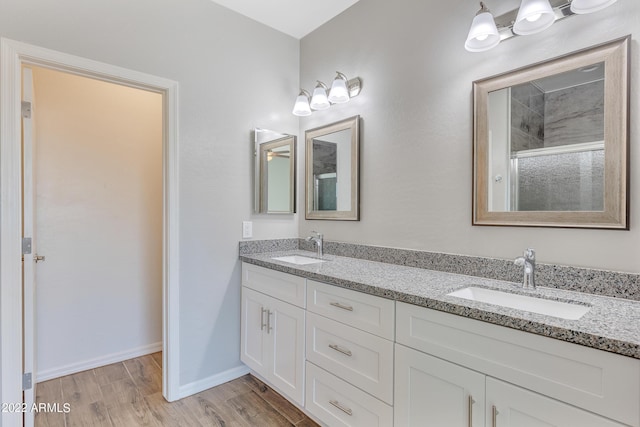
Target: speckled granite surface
612,324
599,282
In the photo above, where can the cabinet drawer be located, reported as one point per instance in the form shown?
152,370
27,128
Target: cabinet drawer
283,286
367,312
338,403
601,382
358,357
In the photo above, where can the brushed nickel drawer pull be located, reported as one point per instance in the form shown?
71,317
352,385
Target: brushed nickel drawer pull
269,314
342,306
471,402
494,416
262,324
341,407
340,349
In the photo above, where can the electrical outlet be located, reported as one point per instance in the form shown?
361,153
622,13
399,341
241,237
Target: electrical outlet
247,229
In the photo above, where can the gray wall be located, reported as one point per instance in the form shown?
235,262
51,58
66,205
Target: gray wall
416,107
234,74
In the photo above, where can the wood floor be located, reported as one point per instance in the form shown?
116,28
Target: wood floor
129,394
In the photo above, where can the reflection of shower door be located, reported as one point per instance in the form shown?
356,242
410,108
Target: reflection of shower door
325,194
562,178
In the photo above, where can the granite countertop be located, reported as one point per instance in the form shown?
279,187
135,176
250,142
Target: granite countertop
612,324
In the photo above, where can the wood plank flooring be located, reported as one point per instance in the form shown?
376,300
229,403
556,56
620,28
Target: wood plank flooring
129,394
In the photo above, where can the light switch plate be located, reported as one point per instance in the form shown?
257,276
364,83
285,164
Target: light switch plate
247,229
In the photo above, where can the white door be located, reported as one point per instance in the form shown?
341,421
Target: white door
432,392
252,324
28,232
511,406
285,327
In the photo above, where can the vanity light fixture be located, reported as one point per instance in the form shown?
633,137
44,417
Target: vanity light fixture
589,6
342,90
532,17
319,100
301,107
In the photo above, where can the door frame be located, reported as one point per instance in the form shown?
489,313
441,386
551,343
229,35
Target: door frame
13,55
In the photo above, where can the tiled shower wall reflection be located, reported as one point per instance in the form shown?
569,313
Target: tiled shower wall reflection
567,116
561,181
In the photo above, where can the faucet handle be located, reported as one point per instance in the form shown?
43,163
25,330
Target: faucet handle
317,234
530,254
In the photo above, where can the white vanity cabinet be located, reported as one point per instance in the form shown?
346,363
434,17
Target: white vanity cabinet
349,354
529,380
272,338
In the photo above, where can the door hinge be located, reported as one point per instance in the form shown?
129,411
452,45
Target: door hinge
26,245
26,110
26,381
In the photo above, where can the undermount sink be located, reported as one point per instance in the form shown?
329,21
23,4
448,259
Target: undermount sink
298,259
563,310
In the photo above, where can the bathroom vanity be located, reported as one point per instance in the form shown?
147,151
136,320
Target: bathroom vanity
362,343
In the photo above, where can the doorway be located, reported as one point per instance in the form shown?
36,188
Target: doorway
97,219
15,55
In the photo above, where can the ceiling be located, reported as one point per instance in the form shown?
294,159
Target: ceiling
294,17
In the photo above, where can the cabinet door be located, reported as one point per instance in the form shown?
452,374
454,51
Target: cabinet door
430,392
253,347
286,367
511,406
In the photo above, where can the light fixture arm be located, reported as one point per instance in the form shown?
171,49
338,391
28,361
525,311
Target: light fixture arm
304,93
483,9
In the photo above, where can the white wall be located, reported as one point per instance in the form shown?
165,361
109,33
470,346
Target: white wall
416,108
98,173
234,75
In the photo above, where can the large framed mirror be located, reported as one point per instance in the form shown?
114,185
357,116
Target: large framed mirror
275,172
332,171
551,142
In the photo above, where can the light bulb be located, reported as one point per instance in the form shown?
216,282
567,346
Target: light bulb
589,6
339,93
319,99
301,107
483,34
533,16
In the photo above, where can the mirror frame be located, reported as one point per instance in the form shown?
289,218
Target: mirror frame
352,124
615,55
261,171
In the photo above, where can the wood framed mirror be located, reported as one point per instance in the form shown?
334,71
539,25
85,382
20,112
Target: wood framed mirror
551,142
332,171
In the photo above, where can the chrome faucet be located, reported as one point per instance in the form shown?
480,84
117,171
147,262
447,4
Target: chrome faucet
528,261
319,240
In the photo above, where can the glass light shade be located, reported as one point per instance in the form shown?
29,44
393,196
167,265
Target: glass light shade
533,16
589,6
319,100
339,94
483,34
301,107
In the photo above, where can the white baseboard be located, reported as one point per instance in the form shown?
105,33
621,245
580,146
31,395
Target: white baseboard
85,365
212,381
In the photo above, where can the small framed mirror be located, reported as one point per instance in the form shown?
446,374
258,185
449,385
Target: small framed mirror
275,172
551,142
332,171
